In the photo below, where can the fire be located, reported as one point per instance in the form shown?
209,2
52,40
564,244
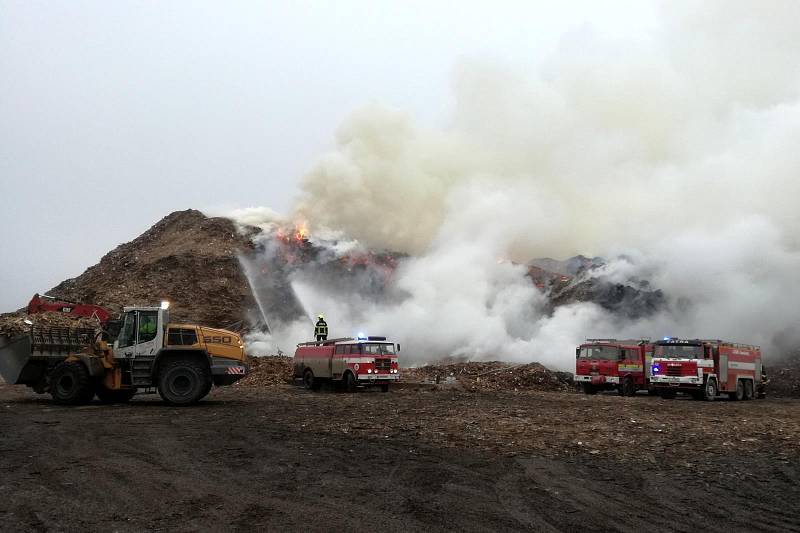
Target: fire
301,232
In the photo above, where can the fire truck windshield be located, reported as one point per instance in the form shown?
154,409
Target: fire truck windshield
679,351
377,349
609,353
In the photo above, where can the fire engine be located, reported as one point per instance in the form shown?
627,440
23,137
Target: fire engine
603,364
706,368
349,362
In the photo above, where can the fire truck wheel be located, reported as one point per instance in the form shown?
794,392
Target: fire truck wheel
310,382
710,390
628,388
588,388
748,390
739,394
70,383
349,382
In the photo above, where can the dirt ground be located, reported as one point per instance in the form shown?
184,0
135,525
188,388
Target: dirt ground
418,458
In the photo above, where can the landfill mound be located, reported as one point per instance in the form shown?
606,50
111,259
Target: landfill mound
267,371
623,299
491,376
186,258
196,263
569,267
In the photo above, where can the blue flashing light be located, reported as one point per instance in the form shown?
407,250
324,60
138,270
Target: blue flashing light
655,369
667,338
362,337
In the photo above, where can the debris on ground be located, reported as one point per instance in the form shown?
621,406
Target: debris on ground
267,371
784,377
491,376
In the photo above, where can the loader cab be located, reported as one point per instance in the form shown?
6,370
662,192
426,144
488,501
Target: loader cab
142,331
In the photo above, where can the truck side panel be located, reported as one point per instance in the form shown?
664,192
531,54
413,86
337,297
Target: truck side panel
318,359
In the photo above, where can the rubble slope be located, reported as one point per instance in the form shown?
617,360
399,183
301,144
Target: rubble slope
186,258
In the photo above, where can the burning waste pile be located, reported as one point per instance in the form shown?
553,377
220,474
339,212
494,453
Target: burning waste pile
682,177
429,235
294,274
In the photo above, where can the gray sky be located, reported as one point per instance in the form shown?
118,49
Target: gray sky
114,114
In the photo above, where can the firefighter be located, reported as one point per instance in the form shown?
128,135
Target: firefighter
321,329
761,390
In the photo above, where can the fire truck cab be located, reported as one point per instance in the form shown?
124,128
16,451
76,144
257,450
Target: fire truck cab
706,368
605,364
349,362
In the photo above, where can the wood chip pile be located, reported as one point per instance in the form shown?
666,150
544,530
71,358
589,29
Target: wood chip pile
14,323
491,376
267,371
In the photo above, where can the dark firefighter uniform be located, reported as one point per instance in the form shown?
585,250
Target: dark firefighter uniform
321,329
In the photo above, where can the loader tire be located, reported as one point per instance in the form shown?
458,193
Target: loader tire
70,383
114,396
183,381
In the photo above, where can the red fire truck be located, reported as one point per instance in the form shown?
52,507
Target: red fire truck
603,364
706,368
349,362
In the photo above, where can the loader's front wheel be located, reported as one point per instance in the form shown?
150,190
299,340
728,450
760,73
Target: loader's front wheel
114,396
71,384
183,381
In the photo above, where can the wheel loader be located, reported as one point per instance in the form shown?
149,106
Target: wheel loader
180,361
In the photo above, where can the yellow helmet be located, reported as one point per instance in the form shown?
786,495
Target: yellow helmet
320,316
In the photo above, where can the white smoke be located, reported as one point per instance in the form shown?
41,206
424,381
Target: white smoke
678,154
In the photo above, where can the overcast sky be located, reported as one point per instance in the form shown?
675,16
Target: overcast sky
114,114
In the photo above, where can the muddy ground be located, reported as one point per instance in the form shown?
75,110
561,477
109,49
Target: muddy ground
281,458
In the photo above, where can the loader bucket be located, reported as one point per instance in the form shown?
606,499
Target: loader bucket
15,352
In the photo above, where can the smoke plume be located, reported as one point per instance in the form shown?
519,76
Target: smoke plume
676,155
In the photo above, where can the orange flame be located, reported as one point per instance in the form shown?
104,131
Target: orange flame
301,231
